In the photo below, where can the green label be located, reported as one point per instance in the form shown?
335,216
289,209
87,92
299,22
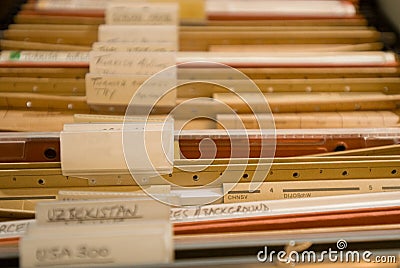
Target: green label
15,55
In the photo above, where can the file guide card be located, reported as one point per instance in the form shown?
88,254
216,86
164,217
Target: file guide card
103,245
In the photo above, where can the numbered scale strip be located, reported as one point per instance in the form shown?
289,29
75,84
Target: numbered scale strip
25,184
305,189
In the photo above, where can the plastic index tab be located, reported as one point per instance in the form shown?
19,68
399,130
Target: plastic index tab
93,149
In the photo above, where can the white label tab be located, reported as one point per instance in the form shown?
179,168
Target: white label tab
45,56
89,149
69,195
71,4
14,228
142,14
109,245
134,47
119,90
156,193
145,63
138,33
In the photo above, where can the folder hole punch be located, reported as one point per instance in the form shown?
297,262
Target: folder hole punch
41,181
345,173
394,171
245,176
195,178
296,175
340,147
50,153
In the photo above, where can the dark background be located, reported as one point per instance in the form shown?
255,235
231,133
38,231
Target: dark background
8,8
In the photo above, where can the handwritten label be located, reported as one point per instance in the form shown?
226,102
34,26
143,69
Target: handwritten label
67,253
138,33
119,90
112,210
142,14
134,47
81,214
192,11
45,56
145,63
104,245
13,228
218,211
